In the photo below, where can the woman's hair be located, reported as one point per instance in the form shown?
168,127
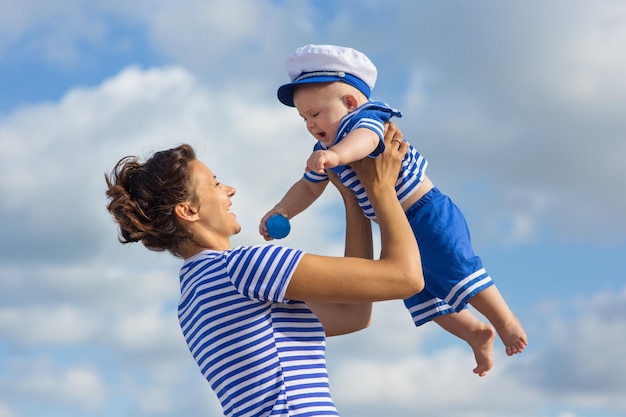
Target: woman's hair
143,196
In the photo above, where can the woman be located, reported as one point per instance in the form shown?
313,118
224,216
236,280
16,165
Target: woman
246,312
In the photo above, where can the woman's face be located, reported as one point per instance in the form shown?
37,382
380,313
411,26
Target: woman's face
214,202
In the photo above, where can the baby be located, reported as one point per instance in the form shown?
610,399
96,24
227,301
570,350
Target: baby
331,87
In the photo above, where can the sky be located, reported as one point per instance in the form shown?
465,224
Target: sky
518,107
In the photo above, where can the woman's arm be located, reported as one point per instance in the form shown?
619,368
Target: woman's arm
342,318
398,272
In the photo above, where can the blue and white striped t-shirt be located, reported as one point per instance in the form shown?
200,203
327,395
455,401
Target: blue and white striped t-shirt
373,115
262,355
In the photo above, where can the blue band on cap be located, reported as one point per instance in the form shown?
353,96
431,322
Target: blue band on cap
285,92
358,83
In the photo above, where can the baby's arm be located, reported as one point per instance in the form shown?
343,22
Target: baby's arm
297,199
355,146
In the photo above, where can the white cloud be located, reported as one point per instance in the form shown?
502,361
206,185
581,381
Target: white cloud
583,353
424,382
235,23
155,400
394,368
534,120
533,110
144,330
5,411
52,34
100,285
42,382
56,325
591,68
574,359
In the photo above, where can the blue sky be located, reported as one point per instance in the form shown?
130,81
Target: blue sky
517,105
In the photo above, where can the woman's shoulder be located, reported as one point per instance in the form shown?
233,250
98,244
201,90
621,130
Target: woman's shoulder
240,250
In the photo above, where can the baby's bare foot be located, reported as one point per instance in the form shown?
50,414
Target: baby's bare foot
482,345
513,336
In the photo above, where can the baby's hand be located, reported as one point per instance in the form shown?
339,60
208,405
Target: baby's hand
321,160
263,227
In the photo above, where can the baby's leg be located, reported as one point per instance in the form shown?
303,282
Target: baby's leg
490,303
477,334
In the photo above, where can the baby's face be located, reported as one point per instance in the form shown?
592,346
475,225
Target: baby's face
322,108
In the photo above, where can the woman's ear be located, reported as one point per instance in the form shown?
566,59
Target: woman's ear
185,211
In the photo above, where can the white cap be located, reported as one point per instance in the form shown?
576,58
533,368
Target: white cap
327,63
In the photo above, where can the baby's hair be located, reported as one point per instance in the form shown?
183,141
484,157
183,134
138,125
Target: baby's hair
142,197
337,87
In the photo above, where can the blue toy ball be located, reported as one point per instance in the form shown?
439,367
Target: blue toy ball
278,226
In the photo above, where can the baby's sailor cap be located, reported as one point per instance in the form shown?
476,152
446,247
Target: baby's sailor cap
327,63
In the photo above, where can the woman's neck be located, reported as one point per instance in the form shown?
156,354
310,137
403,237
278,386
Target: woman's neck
194,247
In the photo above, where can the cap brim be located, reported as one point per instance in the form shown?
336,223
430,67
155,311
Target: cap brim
285,92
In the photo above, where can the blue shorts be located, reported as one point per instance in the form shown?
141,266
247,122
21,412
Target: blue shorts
452,272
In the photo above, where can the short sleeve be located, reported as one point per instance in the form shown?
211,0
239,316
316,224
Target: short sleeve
374,120
263,272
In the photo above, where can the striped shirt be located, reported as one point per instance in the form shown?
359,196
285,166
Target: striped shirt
263,355
373,115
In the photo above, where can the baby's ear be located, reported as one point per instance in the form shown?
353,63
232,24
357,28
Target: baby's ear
350,101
